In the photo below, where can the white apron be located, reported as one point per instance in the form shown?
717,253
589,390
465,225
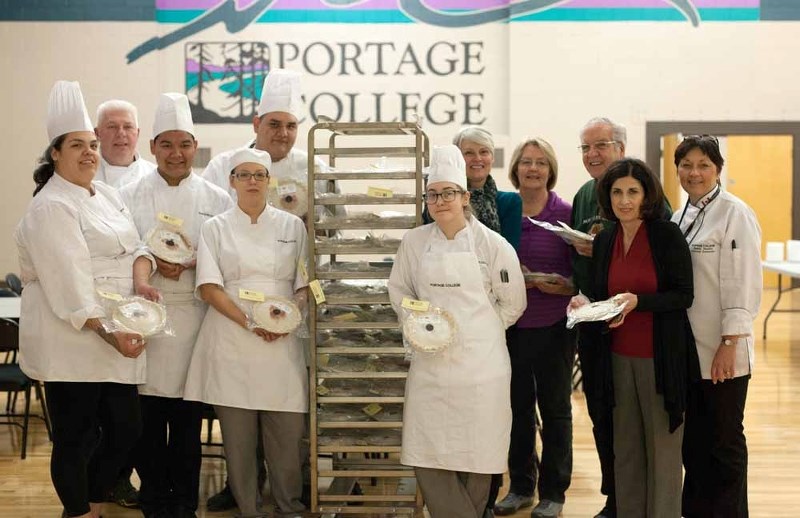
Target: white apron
457,412
234,367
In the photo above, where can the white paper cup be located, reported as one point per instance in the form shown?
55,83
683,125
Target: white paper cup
774,251
793,251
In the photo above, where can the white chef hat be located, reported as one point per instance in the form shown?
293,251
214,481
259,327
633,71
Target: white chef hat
66,111
447,165
281,93
173,113
248,154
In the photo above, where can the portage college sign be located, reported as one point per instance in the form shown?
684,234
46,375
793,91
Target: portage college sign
419,69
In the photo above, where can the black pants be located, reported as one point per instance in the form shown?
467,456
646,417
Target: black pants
600,413
95,425
715,450
541,372
168,454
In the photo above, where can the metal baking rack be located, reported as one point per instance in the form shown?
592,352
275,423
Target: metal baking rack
349,456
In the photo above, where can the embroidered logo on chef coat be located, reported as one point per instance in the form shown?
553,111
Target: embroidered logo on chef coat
287,241
445,285
703,248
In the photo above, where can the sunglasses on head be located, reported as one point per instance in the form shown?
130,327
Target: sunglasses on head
700,138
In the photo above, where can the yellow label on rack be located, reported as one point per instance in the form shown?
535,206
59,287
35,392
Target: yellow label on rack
110,296
323,359
255,296
322,390
379,192
372,409
302,270
346,317
316,290
415,305
170,220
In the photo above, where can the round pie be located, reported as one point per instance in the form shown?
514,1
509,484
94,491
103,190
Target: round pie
139,315
595,311
293,198
429,331
277,315
170,245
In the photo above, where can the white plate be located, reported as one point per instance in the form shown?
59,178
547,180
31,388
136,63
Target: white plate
139,315
277,315
429,331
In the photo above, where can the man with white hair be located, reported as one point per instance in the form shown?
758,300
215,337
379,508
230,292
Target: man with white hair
118,131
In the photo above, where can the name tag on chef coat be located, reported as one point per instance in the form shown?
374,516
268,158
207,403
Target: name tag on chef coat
703,248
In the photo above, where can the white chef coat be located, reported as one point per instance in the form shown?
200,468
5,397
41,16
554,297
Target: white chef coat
118,176
725,242
232,366
194,201
457,413
71,244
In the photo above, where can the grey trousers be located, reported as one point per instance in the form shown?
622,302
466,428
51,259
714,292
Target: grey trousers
281,433
647,458
453,494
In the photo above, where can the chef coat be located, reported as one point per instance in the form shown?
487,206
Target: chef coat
232,366
70,245
194,201
457,413
725,242
118,176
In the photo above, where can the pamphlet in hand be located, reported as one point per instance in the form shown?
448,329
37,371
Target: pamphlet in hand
564,231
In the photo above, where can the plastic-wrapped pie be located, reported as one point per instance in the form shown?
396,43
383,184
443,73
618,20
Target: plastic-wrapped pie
139,315
291,197
430,331
171,245
596,311
277,315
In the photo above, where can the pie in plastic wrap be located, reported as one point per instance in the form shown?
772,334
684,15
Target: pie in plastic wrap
277,315
139,315
293,200
429,331
170,245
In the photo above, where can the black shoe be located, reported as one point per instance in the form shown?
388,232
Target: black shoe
124,494
161,513
180,511
222,501
606,512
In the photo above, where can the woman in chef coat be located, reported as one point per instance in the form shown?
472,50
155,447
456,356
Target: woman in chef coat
725,243
457,416
247,373
76,241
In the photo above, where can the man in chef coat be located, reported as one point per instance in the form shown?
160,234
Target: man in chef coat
168,201
118,131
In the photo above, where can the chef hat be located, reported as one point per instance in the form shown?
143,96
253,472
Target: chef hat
447,165
66,111
247,154
173,113
281,93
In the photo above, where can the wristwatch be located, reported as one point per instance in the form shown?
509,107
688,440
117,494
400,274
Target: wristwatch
728,341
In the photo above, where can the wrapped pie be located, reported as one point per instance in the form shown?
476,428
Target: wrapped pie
430,331
171,245
291,197
277,315
139,315
603,310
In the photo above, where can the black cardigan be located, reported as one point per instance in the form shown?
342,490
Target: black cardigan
674,352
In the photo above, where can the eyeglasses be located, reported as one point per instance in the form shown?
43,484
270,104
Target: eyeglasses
599,146
431,198
700,138
528,163
244,176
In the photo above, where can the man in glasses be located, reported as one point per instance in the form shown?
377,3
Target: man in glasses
602,143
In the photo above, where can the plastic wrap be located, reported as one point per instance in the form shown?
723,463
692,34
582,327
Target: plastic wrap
290,195
169,243
344,363
429,332
564,231
135,315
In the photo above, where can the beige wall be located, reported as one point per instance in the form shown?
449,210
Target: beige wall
545,79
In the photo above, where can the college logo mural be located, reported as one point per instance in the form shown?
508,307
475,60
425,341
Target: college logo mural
223,80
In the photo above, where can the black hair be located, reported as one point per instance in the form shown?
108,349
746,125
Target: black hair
653,206
707,144
47,166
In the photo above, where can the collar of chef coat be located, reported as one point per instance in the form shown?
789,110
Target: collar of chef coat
240,217
161,182
693,209
75,192
461,242
106,165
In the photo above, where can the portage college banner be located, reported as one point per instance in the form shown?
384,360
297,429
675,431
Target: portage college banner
366,60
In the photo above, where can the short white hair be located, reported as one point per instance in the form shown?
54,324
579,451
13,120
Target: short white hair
618,131
117,105
474,134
